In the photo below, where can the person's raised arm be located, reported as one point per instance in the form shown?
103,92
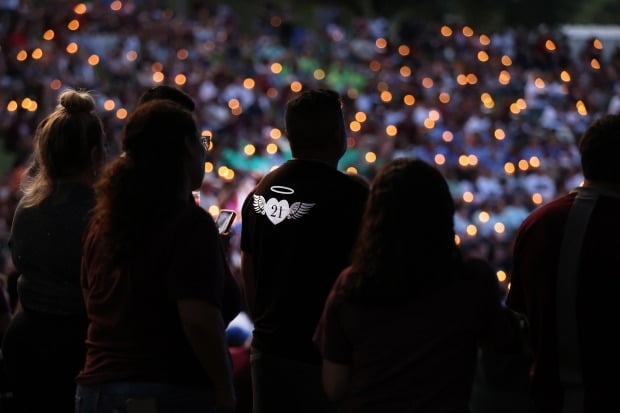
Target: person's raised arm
205,332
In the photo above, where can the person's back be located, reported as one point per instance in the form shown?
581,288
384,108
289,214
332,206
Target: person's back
298,251
401,328
299,224
534,278
155,280
44,346
416,355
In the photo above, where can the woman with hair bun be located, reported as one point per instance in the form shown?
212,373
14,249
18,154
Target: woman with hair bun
44,345
157,288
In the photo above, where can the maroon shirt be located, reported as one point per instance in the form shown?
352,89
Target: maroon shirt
417,355
533,293
135,333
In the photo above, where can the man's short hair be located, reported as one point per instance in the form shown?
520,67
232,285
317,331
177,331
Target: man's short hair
314,121
600,148
168,93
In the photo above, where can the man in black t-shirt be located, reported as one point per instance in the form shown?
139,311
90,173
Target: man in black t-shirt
299,225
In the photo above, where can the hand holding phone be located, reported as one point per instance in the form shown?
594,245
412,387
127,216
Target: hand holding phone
225,220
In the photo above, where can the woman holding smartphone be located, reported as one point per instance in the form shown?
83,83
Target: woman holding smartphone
157,291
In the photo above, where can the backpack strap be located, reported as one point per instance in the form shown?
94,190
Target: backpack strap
569,355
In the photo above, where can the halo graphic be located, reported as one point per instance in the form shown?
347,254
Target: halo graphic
282,189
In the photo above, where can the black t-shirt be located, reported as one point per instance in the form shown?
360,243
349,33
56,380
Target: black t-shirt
299,224
46,245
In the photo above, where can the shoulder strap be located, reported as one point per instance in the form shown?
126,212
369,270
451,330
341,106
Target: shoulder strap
569,356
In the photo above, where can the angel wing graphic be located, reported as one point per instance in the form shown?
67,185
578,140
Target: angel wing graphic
259,204
299,209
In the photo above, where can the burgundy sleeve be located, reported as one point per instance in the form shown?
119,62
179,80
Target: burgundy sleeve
330,337
197,266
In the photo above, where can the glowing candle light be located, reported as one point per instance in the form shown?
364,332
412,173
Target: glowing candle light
272,148
116,5
509,168
49,34
121,113
501,276
73,25
93,60
249,149
180,79
319,74
409,100
275,133
109,105
37,54
472,230
80,8
276,68
296,86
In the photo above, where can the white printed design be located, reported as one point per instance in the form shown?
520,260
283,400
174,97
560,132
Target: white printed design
277,211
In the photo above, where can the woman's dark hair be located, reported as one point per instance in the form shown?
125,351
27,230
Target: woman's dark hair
141,187
406,246
63,144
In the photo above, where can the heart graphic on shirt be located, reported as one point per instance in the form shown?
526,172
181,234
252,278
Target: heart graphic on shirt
276,211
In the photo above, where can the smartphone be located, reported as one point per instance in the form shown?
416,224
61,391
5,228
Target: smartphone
225,220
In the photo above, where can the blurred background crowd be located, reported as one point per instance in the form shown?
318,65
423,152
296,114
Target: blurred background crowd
497,110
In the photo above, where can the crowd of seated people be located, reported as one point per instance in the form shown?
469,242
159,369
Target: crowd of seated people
497,112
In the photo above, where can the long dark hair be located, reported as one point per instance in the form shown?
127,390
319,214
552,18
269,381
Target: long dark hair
406,246
140,189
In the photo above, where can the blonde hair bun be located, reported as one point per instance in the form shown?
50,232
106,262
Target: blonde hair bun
76,102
